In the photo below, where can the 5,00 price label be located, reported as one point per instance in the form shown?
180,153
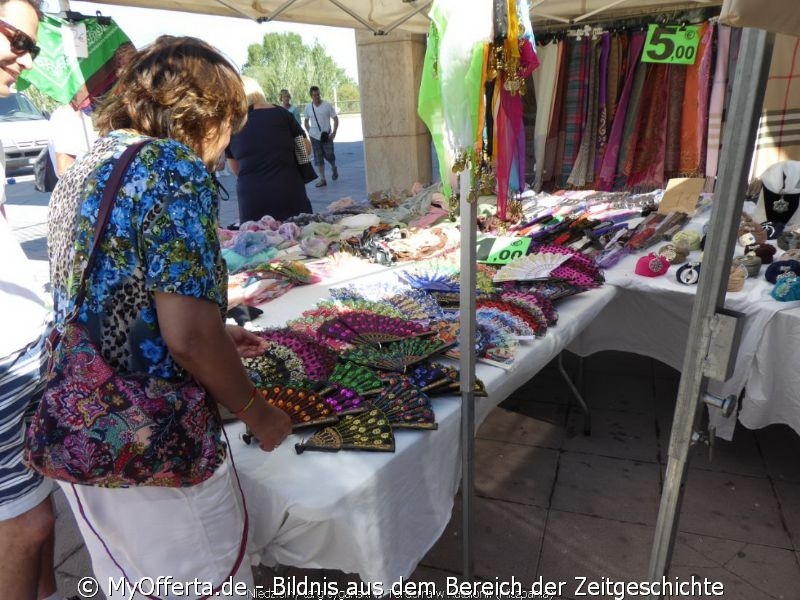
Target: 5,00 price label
673,44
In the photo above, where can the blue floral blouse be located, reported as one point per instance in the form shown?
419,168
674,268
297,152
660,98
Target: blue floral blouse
162,237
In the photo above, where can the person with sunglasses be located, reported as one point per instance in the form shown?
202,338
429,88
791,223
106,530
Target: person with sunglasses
26,513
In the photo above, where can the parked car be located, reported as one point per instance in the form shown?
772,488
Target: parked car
24,131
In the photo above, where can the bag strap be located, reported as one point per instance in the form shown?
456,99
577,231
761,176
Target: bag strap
103,215
242,544
316,119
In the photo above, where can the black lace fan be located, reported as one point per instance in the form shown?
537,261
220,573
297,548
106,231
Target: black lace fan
368,431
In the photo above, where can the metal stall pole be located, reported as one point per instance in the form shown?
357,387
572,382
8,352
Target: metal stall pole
739,137
468,220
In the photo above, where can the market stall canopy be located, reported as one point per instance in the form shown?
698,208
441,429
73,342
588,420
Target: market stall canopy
384,16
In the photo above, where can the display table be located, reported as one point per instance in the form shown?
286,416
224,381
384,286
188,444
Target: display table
377,514
650,316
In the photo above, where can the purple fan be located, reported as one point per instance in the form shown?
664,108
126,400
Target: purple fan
345,401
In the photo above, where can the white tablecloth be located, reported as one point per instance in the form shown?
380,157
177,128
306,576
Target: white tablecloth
377,514
650,316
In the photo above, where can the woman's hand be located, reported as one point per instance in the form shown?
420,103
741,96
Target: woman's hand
247,343
270,426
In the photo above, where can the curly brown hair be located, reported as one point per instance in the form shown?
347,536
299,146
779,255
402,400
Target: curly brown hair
177,87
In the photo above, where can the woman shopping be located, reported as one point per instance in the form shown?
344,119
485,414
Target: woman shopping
262,156
139,302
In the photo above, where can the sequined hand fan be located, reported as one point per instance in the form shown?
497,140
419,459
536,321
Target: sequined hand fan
531,266
345,401
368,328
304,407
396,356
356,377
404,405
368,431
305,357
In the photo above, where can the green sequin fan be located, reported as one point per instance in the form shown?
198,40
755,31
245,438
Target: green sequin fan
396,356
355,377
368,431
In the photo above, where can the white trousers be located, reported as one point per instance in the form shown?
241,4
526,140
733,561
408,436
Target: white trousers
191,535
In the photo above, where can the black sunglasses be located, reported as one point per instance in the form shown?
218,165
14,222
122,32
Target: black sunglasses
20,42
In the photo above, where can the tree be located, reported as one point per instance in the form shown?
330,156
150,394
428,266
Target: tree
282,60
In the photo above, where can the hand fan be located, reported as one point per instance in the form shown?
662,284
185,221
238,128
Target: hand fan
345,401
404,405
531,266
368,328
368,431
304,407
355,377
396,356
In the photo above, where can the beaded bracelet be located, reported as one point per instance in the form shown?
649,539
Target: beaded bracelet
239,413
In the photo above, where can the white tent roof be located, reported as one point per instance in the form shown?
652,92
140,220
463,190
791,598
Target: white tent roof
384,16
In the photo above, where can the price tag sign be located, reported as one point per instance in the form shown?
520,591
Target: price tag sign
501,250
672,44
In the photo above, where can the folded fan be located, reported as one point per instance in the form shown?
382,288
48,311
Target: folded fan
368,431
405,405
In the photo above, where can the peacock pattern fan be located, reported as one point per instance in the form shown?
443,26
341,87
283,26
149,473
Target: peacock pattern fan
358,378
368,328
370,430
304,407
405,405
396,356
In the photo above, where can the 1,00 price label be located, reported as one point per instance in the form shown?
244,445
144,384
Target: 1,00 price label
673,44
501,250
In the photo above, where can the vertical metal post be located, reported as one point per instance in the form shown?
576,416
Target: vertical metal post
468,220
739,137
64,5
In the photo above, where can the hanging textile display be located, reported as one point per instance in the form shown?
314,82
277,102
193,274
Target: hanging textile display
514,60
778,137
544,83
79,60
608,168
695,107
450,95
574,108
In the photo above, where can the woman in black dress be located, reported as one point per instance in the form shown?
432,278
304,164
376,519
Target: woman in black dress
262,157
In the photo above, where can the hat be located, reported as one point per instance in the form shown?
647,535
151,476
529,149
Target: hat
787,287
652,265
780,267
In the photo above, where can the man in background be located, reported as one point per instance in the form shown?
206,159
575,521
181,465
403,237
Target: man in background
318,117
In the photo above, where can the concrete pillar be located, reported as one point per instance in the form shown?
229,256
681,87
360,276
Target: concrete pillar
397,145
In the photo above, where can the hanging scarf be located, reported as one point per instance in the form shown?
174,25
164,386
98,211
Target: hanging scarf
677,82
609,167
602,104
450,92
574,104
583,169
695,107
552,145
647,164
545,82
